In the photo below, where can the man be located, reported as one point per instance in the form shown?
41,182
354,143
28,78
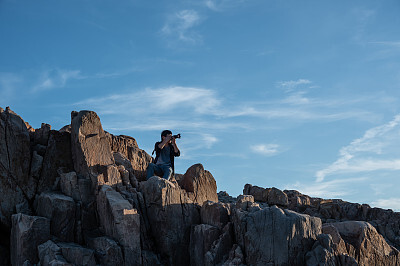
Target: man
166,150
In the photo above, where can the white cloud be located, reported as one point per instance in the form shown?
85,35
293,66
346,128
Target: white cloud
55,78
180,25
390,203
209,140
265,149
221,5
376,150
290,85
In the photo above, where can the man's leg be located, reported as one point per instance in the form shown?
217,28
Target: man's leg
167,171
150,170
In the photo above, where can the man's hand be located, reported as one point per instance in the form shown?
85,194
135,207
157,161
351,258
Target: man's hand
173,141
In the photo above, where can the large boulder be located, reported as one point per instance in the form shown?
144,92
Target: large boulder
50,254
16,186
200,184
171,214
107,251
91,151
271,235
118,219
128,148
27,233
77,255
60,209
215,213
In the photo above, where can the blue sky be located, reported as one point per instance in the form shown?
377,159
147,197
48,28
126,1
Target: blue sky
298,95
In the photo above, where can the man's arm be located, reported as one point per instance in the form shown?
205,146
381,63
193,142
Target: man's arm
177,152
162,144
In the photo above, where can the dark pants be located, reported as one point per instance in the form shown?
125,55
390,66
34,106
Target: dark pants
164,171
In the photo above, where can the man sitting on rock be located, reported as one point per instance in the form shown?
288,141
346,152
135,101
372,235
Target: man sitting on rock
166,150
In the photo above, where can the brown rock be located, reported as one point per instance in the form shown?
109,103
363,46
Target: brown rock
91,151
128,148
200,183
272,196
27,233
215,213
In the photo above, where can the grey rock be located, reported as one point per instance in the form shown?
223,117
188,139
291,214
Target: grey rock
220,249
60,209
107,251
27,233
41,135
77,255
69,185
15,184
58,158
215,213
118,219
201,238
50,255
36,166
273,235
236,257
171,214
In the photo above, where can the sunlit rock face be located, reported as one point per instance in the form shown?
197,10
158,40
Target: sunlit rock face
78,196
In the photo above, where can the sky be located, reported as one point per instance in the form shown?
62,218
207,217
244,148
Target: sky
291,94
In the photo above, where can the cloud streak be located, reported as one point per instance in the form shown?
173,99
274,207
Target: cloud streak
374,151
55,78
265,149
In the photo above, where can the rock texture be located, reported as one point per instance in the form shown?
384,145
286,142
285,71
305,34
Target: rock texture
78,196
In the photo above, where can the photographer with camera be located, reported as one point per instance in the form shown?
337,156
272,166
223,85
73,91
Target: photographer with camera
166,150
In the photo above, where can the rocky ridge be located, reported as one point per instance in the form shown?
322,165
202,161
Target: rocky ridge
78,196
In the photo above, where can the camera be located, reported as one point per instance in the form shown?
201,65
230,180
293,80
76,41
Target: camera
177,136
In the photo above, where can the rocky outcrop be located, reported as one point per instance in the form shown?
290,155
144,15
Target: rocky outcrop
272,235
271,196
78,197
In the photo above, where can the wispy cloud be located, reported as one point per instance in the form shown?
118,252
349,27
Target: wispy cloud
265,149
289,86
221,5
376,150
390,203
55,78
179,26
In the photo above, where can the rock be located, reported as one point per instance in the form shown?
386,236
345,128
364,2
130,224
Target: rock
200,183
215,213
60,209
366,245
15,158
124,175
272,235
224,197
171,214
69,185
91,151
41,135
36,166
272,196
77,255
66,128
129,149
58,156
27,233
24,208
107,251
4,255
118,219
201,238
122,161
50,254
236,257
150,259
219,250
244,202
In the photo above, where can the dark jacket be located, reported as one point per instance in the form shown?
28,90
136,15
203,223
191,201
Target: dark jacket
172,154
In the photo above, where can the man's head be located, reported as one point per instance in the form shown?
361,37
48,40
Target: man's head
165,133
